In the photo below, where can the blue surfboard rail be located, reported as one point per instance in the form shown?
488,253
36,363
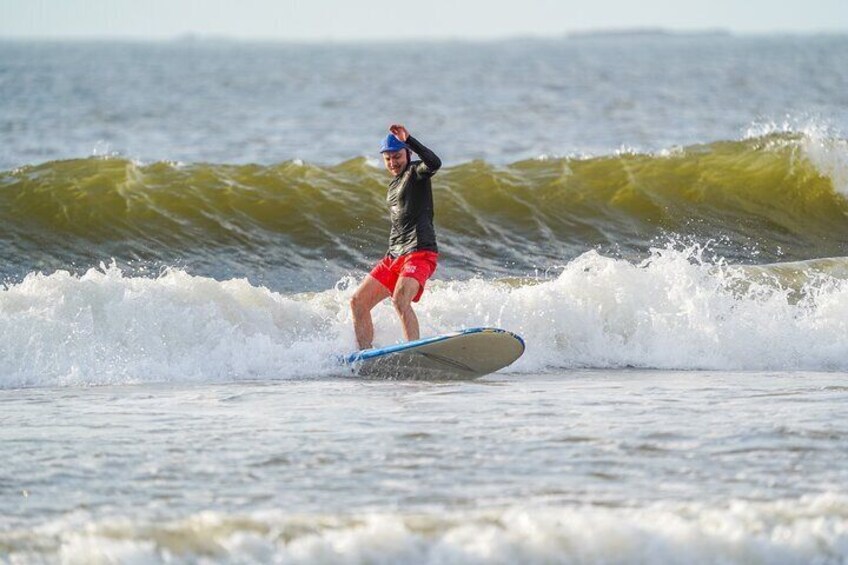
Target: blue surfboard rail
366,354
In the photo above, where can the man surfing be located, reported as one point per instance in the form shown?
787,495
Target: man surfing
412,254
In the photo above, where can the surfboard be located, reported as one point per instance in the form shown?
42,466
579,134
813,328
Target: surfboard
465,354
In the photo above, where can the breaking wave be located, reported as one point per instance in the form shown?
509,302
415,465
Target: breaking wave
677,309
773,197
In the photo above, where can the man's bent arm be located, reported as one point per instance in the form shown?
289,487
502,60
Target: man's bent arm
430,161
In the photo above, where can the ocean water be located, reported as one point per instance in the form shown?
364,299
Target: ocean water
662,218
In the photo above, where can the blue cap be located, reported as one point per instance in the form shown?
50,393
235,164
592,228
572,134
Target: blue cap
391,143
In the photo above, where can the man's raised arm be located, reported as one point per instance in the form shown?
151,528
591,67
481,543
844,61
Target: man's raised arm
430,162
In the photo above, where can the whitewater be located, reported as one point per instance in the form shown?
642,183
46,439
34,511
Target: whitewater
663,219
670,311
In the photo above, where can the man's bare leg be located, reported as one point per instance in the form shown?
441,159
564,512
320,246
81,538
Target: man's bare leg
369,294
405,291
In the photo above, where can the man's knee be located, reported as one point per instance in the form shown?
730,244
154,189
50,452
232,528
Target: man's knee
402,298
358,304
402,301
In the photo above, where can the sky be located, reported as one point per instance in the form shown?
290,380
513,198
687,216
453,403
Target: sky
347,20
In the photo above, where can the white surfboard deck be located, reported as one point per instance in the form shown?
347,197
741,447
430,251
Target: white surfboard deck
466,354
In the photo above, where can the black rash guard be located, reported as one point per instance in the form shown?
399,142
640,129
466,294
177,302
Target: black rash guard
410,200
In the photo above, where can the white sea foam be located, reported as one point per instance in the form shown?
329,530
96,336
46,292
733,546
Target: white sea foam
105,327
671,311
812,529
822,144
667,312
830,157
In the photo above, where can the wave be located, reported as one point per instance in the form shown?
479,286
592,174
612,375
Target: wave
773,197
676,309
809,529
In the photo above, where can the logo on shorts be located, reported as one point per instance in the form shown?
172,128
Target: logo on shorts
410,268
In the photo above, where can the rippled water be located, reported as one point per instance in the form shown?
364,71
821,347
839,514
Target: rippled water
499,101
124,463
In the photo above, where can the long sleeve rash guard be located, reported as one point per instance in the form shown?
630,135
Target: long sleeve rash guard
410,201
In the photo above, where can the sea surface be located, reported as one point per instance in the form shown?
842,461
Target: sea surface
663,218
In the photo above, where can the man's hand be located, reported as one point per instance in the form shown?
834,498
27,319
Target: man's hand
399,132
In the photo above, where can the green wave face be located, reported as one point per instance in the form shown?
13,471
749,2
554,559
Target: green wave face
761,199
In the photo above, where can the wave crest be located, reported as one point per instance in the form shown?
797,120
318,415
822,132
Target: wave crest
781,194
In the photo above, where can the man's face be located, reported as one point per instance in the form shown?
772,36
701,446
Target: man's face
395,161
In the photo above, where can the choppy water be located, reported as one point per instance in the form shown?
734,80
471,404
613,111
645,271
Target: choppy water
584,466
663,219
497,101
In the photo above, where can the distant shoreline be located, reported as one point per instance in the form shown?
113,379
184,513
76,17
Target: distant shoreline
612,33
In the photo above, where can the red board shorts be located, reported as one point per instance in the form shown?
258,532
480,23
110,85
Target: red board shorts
418,265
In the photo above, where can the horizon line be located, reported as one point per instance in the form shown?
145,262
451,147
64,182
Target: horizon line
611,32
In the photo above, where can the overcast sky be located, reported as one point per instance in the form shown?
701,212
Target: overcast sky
340,20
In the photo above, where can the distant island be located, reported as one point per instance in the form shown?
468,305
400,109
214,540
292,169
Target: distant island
645,32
